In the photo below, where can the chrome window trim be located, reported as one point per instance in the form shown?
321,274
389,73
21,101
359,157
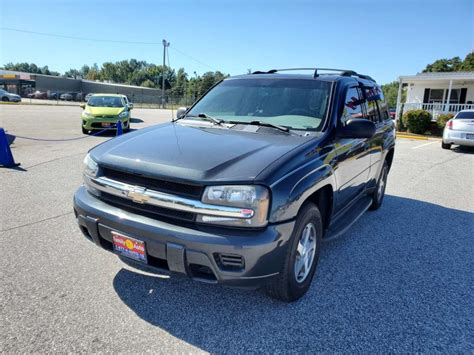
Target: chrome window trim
142,195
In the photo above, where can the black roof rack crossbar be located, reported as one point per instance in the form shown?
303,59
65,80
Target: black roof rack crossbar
343,72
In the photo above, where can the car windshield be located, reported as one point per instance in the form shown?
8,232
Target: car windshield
105,101
299,104
465,114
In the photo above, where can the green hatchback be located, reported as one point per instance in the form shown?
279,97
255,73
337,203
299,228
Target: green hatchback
102,111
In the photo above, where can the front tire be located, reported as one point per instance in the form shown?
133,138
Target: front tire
302,257
378,195
445,145
85,131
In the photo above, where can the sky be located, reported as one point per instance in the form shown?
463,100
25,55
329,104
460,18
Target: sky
384,39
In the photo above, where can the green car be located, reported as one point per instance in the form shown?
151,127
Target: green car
102,111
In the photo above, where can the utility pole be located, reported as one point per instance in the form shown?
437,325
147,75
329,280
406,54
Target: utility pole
165,45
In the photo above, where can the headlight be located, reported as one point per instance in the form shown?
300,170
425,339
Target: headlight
253,197
87,114
90,166
123,114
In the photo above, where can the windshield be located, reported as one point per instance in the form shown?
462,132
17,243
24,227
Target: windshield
105,101
465,114
295,103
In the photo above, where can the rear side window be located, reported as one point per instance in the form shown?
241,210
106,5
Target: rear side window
352,105
465,114
376,107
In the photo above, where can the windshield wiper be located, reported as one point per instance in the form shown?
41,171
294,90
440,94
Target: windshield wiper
261,123
205,116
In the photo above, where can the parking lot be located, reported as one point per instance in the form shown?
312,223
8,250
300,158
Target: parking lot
400,280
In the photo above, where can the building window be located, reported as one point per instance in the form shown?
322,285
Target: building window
436,96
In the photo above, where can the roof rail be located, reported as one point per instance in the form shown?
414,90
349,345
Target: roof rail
343,72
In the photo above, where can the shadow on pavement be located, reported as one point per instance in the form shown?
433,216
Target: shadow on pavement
136,120
400,280
462,149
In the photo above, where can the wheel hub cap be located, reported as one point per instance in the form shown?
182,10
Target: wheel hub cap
305,252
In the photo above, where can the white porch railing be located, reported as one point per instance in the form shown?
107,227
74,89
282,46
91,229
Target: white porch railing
436,108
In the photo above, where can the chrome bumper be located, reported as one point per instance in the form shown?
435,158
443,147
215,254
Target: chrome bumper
142,195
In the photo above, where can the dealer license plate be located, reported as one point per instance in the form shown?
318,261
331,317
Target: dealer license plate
129,247
106,124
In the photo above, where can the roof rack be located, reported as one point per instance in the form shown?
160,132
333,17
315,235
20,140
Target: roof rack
342,72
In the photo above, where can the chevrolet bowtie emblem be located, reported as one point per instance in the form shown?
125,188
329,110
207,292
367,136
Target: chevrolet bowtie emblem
138,195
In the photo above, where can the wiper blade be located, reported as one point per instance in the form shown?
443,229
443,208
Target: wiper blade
261,123
205,116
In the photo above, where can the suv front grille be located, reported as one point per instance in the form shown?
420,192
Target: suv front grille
175,188
146,210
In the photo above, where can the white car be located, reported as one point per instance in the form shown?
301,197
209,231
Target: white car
459,130
6,96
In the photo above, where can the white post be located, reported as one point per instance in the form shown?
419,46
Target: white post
399,99
448,99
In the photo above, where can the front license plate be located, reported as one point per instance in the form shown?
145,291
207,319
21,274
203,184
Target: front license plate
129,247
106,124
469,136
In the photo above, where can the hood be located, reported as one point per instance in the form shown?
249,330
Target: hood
104,111
195,154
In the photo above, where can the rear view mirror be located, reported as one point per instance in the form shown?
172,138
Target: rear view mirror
181,112
83,106
357,128
130,105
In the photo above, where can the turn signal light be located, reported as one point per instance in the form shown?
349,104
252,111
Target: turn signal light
449,124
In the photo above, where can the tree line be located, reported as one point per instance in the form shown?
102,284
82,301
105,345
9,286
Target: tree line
178,83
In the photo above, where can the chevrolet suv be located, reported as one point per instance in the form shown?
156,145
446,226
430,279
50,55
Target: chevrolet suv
242,187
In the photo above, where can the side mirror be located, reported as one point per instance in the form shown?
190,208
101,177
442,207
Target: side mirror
130,105
181,112
83,106
357,128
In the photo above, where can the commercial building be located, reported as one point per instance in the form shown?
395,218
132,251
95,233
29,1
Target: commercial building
25,83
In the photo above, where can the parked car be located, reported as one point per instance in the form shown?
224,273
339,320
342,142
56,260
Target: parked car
459,130
392,112
88,96
241,188
103,111
38,95
67,96
6,96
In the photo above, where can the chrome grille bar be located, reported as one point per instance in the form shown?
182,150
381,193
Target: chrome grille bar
145,196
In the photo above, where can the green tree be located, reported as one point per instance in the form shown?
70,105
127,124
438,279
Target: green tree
444,65
468,63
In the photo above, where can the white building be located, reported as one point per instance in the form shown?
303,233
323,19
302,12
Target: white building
437,92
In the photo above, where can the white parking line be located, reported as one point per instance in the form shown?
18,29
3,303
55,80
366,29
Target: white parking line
424,145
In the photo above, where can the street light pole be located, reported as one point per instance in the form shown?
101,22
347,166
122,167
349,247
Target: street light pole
165,44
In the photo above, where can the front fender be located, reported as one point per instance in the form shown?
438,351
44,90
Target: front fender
292,190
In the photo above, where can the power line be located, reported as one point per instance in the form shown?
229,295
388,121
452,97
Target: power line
101,40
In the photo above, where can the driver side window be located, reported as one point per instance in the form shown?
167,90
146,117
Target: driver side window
352,105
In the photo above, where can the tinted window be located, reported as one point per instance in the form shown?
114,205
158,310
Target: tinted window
352,105
295,103
465,114
372,110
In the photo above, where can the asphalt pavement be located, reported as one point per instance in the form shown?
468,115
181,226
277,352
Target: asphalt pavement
400,280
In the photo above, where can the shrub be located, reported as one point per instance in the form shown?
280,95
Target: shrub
417,121
443,118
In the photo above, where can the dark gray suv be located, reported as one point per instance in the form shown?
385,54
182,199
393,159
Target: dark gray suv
244,185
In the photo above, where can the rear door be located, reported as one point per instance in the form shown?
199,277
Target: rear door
376,111
353,160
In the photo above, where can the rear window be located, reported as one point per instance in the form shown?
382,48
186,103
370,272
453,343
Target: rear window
465,114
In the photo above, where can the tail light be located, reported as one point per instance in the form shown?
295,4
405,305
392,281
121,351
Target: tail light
449,124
